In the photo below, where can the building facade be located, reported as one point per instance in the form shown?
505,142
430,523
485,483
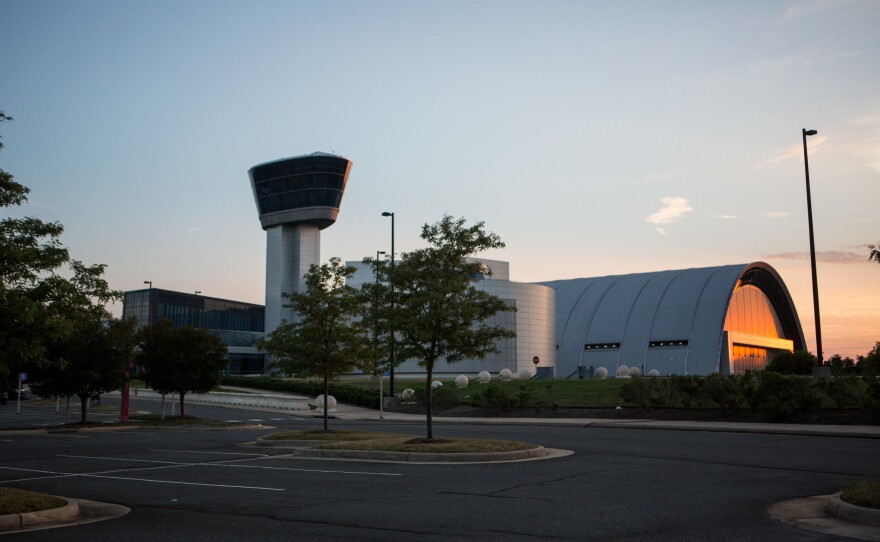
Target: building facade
726,320
533,321
239,325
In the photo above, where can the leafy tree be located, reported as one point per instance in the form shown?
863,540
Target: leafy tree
89,361
869,364
181,360
30,252
792,363
376,302
874,253
328,336
439,313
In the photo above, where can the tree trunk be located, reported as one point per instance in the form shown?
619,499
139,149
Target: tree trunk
428,401
163,406
326,395
182,404
84,408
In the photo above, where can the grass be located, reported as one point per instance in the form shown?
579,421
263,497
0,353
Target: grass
392,442
865,493
17,501
398,443
332,435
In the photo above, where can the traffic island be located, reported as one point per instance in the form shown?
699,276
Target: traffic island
362,445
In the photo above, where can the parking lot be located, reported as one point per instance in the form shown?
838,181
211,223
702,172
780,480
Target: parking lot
619,484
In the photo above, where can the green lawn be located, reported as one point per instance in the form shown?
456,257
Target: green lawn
17,501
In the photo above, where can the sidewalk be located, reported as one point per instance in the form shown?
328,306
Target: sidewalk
350,412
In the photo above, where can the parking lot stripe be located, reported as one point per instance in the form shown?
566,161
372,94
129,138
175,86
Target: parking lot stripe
201,452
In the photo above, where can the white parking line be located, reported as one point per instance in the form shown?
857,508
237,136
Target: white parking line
212,453
103,476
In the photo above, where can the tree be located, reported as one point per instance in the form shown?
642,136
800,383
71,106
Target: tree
376,301
792,363
869,364
30,252
439,313
328,336
874,253
89,361
181,360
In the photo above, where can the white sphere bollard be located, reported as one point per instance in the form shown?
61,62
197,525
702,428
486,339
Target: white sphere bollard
623,371
331,402
635,371
484,377
525,373
505,374
653,372
408,394
461,381
436,384
601,372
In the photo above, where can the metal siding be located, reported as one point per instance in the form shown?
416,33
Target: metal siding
634,347
666,360
675,315
571,346
704,346
613,312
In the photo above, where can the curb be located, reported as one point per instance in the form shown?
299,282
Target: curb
473,457
68,512
850,512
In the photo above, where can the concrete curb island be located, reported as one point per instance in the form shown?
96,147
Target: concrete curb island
304,448
23,520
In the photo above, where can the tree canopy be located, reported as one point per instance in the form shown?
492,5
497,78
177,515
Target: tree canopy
874,253
439,313
180,360
328,336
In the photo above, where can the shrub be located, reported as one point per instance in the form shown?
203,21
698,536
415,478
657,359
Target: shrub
495,397
779,397
344,394
792,363
645,393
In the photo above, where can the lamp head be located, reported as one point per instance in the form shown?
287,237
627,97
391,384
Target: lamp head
810,132
386,213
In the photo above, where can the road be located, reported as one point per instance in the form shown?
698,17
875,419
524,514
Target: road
620,484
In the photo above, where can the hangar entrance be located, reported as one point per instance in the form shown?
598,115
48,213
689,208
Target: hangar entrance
753,333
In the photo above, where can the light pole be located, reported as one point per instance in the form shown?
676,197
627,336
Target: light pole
804,134
126,386
393,359
195,306
150,303
376,335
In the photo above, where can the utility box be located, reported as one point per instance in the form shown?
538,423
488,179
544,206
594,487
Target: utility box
544,373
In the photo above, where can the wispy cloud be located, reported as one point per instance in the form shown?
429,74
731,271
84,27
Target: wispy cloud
193,230
672,210
776,214
795,152
725,217
828,256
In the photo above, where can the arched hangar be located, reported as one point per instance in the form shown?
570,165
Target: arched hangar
726,319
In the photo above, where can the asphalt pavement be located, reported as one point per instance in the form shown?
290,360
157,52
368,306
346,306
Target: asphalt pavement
617,485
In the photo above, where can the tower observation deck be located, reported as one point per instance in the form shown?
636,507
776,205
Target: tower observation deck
296,198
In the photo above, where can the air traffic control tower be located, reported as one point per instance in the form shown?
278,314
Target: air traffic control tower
296,198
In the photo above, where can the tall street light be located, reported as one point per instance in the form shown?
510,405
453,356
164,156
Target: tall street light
393,359
804,134
150,303
126,385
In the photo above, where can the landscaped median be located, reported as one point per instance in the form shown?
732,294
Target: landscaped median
397,447
20,509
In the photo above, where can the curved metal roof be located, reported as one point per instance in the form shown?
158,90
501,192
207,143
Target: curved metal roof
616,319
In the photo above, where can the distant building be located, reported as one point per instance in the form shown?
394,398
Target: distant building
533,321
726,320
239,325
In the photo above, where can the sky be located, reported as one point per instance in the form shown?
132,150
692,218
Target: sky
595,137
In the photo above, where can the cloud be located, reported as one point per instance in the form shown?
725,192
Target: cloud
193,230
828,256
726,217
776,214
815,144
673,208
804,9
